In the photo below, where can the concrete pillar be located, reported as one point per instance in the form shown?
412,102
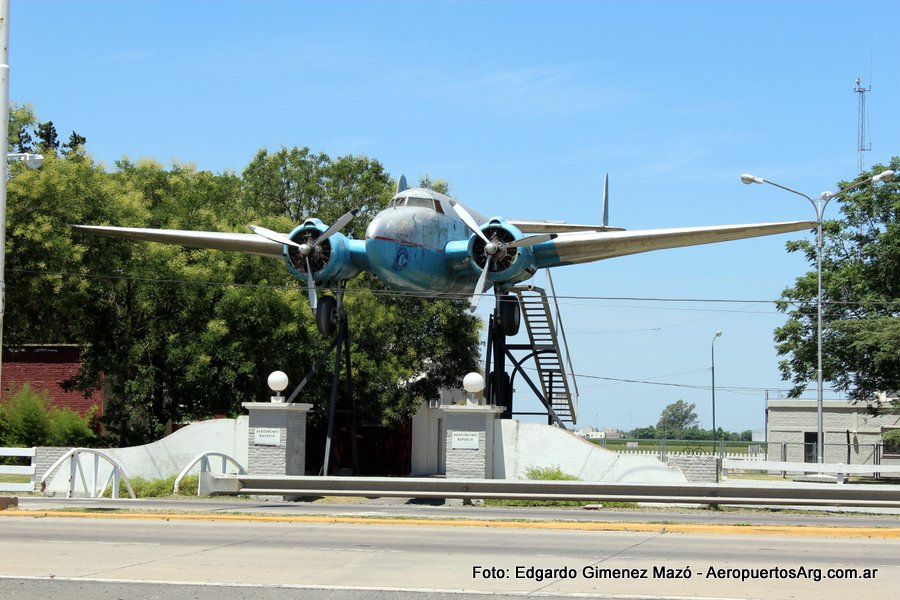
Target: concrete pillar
469,440
276,441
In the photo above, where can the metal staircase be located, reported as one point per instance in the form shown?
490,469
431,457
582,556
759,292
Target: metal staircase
546,352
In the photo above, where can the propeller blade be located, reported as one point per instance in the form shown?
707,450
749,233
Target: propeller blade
274,236
469,221
336,226
531,240
479,287
311,286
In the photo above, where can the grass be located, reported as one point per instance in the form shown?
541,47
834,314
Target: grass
5,478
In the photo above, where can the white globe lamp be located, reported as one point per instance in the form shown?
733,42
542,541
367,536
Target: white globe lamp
473,383
278,381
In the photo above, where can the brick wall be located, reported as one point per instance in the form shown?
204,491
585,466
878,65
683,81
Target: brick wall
44,368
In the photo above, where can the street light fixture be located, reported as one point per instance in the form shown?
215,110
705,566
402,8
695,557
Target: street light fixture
819,206
31,160
713,371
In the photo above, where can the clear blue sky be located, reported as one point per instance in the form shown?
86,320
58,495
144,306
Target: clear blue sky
522,106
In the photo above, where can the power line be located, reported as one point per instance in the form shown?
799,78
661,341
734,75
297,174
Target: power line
466,296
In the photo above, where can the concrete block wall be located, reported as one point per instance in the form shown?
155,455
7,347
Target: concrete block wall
698,468
289,456
470,463
44,457
465,462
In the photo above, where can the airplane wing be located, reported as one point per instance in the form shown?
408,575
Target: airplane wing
574,248
240,242
558,227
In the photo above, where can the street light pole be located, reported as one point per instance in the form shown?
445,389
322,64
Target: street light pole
713,371
4,166
819,207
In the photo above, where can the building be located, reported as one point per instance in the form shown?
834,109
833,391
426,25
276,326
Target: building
44,368
851,434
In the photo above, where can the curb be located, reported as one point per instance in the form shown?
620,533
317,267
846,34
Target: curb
786,530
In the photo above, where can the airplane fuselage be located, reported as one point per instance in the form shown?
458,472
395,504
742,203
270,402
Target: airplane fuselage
419,245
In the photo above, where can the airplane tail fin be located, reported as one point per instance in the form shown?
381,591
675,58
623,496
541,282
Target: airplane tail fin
401,184
606,201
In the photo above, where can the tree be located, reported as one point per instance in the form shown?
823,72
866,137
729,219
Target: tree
644,433
861,298
677,416
48,139
75,145
187,333
21,126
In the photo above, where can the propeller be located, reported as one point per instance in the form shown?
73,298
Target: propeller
307,249
492,247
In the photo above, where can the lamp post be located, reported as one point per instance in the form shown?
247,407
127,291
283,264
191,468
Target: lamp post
819,206
713,372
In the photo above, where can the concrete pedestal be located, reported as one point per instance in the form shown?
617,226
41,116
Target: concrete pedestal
469,440
276,442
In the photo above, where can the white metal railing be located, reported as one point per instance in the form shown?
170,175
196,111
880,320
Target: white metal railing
203,459
838,469
18,470
77,473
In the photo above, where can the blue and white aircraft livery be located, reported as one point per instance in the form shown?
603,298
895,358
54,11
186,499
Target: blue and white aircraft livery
429,244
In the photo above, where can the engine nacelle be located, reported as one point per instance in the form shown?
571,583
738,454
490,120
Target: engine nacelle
330,260
508,265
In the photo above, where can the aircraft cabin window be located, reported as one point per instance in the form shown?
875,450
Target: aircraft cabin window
422,202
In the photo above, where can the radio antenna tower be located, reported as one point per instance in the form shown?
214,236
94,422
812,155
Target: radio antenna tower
862,146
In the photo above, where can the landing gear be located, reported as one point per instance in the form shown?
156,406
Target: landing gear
510,314
504,322
331,320
327,316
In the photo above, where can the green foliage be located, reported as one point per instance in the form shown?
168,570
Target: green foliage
891,439
158,488
677,416
28,420
68,428
177,334
548,474
644,433
694,433
861,296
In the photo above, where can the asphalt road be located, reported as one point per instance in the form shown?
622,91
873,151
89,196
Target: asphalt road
410,509
169,557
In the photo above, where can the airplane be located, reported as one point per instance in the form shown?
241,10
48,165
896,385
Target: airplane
429,244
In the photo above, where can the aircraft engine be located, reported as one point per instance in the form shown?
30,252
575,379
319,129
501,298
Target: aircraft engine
509,261
329,259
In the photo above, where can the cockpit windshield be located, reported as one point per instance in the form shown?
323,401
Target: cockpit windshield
416,202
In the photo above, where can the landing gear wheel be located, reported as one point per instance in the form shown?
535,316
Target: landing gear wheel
510,315
326,315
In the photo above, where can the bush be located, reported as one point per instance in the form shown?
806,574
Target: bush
68,428
159,488
27,420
